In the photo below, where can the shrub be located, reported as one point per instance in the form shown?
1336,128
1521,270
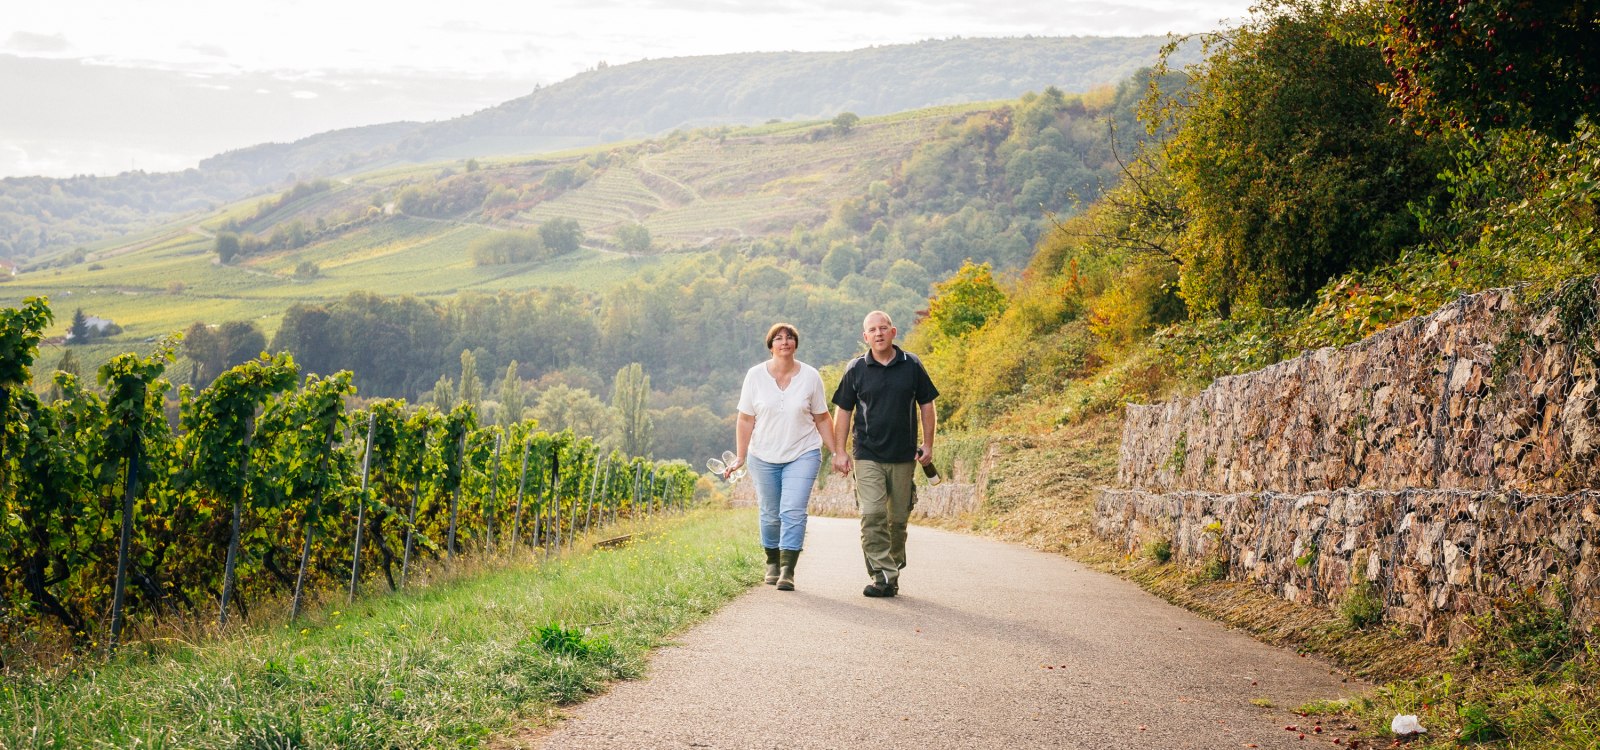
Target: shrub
1362,606
1159,550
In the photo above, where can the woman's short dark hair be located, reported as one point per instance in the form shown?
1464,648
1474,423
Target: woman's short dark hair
772,333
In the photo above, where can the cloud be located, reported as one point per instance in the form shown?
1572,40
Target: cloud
29,42
303,94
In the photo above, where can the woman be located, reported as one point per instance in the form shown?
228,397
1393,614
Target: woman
783,424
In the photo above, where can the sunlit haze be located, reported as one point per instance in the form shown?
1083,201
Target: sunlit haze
469,54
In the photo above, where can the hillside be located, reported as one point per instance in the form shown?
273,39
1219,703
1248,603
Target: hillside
40,216
655,96
688,192
679,251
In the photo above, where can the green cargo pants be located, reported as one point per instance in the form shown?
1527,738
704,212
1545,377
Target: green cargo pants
885,494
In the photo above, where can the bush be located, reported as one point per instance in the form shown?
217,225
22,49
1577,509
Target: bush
503,248
1361,606
1159,550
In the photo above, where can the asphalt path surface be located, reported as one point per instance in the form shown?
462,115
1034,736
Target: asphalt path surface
988,645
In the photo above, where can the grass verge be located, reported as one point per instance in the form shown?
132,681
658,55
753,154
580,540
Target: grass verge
1523,682
452,664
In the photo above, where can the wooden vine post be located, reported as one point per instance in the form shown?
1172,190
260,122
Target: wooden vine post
361,507
494,496
522,485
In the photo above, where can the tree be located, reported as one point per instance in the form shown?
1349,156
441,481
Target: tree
1492,64
470,389
561,235
213,350
1289,164
239,341
965,301
841,261
228,247
444,394
690,433
630,399
503,248
634,239
78,332
845,122
68,364
562,407
511,399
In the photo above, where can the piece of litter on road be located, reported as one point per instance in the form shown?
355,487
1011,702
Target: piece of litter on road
1406,724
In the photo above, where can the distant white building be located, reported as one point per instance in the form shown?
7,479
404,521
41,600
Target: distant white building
100,326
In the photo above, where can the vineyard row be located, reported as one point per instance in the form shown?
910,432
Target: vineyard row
267,485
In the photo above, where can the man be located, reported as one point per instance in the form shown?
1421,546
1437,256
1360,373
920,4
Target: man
880,396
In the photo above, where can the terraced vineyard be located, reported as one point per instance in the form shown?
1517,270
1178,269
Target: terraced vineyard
708,189
692,191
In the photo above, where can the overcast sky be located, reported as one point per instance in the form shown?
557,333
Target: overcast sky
494,49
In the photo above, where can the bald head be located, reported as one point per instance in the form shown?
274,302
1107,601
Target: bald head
879,332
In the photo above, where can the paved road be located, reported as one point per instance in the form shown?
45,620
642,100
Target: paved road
989,645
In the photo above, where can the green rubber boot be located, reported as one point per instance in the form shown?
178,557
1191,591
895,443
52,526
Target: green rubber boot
786,562
772,566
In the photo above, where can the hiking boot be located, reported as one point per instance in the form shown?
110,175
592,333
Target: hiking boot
772,566
786,562
881,589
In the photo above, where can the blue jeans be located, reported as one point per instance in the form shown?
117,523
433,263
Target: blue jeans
782,492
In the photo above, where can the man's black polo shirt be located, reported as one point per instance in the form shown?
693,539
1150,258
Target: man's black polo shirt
884,399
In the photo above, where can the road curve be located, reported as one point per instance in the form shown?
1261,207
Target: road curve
989,645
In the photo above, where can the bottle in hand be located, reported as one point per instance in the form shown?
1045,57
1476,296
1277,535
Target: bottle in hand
930,471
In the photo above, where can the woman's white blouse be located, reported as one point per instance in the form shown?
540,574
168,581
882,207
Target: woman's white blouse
785,418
